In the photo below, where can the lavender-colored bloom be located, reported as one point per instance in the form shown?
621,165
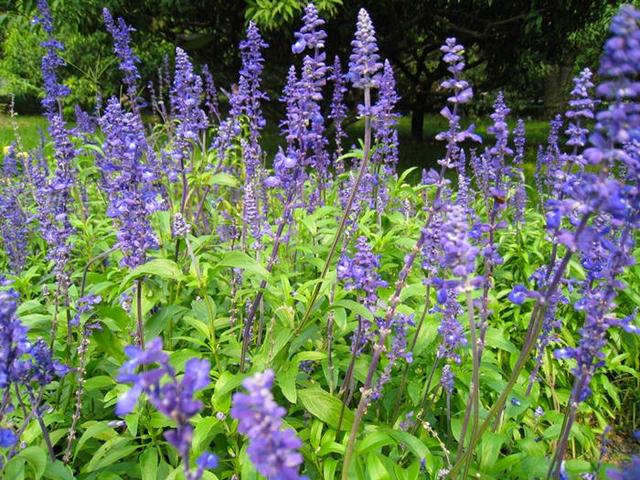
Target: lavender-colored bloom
245,103
432,247
43,368
22,362
7,438
311,36
51,61
619,67
210,95
408,422
364,62
454,58
450,329
303,126
628,471
360,272
121,33
85,122
186,112
13,339
249,86
309,134
384,122
459,255
272,449
53,198
518,294
461,93
54,201
338,112
549,174
495,169
452,336
447,379
180,228
517,173
251,214
581,109
129,183
85,305
174,398
14,220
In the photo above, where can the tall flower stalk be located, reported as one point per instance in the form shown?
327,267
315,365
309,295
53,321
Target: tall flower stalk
461,93
364,67
590,195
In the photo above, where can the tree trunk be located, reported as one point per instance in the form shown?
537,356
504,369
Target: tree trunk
555,87
417,122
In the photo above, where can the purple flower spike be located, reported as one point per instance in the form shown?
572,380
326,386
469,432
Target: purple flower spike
51,61
338,112
129,182
311,36
360,272
121,33
185,105
174,398
272,450
384,122
364,62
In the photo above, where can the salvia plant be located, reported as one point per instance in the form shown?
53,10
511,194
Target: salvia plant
178,302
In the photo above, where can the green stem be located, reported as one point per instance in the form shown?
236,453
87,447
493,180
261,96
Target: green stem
474,404
139,319
347,210
405,373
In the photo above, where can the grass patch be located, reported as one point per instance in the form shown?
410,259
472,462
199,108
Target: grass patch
413,153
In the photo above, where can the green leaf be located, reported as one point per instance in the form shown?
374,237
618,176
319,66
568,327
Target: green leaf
97,430
224,179
58,471
326,407
36,457
376,469
355,307
414,444
149,464
236,259
158,267
374,441
287,381
490,448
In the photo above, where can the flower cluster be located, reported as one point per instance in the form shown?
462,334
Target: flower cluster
172,397
129,182
121,33
384,121
54,196
452,336
51,61
23,364
581,109
460,93
311,36
338,112
186,112
272,449
14,220
360,272
364,62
